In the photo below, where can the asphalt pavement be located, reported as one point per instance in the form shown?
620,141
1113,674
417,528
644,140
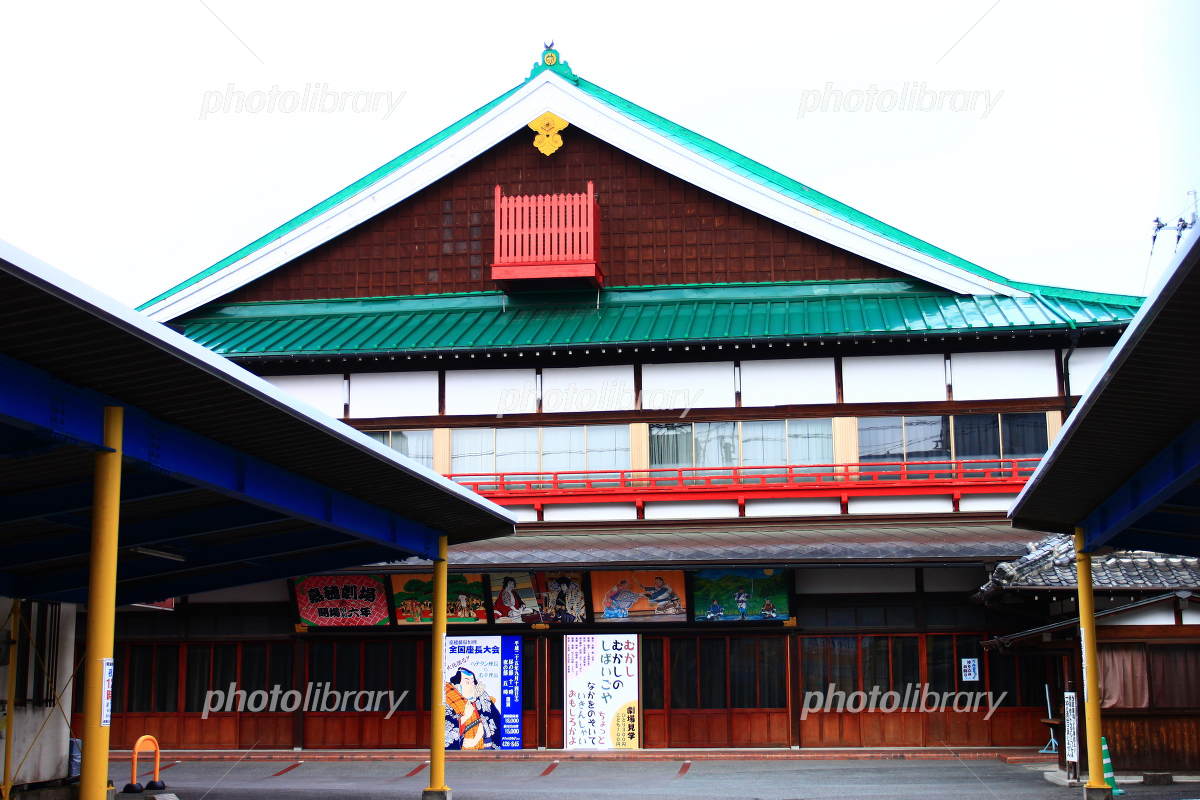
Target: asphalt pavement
698,780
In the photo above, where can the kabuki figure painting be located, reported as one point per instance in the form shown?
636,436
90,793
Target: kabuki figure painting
482,692
649,596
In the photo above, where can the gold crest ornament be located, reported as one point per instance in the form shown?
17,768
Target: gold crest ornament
551,58
547,126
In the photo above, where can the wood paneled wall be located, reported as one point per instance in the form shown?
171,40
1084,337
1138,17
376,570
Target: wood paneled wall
654,229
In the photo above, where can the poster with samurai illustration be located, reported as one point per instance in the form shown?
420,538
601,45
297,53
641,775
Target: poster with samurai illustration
537,597
481,692
739,595
648,596
600,684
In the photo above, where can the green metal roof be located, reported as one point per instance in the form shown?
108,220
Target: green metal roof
693,141
638,315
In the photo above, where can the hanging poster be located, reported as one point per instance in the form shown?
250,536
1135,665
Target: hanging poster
481,692
651,596
600,681
412,595
725,595
561,596
513,598
341,600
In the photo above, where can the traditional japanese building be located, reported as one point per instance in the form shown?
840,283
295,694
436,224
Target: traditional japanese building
770,434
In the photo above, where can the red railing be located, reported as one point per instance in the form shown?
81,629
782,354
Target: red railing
558,234
911,477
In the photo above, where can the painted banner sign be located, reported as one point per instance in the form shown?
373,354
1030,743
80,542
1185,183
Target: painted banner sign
481,692
342,600
600,679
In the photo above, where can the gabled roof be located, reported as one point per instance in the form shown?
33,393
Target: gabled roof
719,313
553,86
1050,564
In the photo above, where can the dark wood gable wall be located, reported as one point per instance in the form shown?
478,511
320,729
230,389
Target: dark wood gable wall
655,229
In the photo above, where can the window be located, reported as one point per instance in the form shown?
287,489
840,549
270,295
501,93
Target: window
540,450
752,443
827,660
417,445
976,437
153,677
757,672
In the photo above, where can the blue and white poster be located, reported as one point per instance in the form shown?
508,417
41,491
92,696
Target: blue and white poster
482,692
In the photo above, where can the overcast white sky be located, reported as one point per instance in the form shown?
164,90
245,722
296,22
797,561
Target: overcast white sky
1064,127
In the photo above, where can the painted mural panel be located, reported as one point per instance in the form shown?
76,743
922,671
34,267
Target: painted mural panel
413,598
646,595
725,595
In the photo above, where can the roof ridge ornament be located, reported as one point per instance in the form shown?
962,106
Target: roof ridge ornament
551,60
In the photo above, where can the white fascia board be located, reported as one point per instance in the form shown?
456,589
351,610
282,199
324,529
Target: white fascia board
549,92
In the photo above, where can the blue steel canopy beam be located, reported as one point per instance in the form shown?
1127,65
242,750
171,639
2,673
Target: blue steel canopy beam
150,533
59,502
34,397
1171,471
146,566
350,554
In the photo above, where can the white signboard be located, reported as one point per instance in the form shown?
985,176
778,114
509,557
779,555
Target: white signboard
600,708
1070,727
106,692
481,692
970,669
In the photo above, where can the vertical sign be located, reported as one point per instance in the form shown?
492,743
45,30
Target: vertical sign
970,669
600,681
106,692
1070,728
481,692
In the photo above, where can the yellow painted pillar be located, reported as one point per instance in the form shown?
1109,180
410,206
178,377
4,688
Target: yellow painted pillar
437,721
1091,674
10,698
101,606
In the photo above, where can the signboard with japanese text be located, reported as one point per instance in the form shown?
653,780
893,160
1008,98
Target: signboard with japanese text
481,692
342,601
1070,728
970,669
106,692
600,682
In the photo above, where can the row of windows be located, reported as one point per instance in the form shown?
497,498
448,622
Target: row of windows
730,444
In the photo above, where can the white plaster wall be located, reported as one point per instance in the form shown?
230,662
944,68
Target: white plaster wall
1084,365
393,394
698,509
326,393
265,592
48,759
1191,614
1157,614
986,502
586,512
1004,375
524,513
491,391
587,389
917,504
788,381
793,507
954,579
855,580
889,379
704,385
